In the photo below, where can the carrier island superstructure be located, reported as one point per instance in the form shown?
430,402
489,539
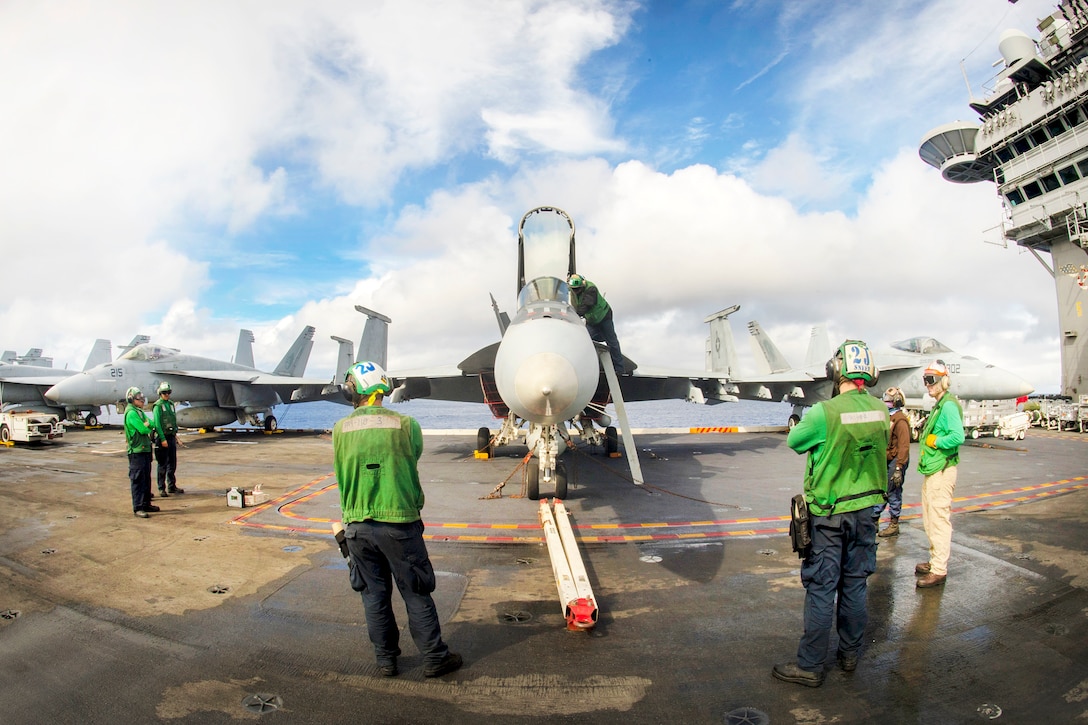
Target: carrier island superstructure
1032,141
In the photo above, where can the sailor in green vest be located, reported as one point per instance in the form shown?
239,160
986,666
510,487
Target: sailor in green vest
939,445
375,453
138,439
846,439
166,452
591,306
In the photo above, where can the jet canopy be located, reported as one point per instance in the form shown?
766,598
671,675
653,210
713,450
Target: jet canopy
544,289
921,345
149,352
545,245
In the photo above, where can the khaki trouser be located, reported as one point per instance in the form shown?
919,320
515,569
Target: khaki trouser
937,492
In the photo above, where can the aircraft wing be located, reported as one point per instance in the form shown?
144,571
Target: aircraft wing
47,381
245,377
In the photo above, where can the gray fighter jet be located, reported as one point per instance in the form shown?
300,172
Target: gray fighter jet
23,384
900,366
217,392
544,379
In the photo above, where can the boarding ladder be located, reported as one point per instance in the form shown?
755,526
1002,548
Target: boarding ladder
494,401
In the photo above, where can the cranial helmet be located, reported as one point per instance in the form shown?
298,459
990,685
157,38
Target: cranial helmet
132,393
853,361
894,398
576,281
936,371
366,378
164,387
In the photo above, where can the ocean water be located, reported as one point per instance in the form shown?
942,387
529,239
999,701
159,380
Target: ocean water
445,415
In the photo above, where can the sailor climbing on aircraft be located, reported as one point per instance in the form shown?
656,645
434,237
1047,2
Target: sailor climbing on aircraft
591,305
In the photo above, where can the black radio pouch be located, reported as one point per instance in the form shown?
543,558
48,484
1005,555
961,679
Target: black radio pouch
800,526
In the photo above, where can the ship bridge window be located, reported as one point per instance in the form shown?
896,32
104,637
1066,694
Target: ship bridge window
1039,137
1021,145
1082,167
1005,154
1074,117
1015,197
1056,127
1068,175
1033,190
1050,182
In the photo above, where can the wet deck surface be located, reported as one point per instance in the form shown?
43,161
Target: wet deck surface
182,617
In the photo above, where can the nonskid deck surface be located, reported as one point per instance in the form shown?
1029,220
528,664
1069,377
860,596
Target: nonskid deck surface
203,612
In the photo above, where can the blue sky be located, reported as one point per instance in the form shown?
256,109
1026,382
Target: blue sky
186,170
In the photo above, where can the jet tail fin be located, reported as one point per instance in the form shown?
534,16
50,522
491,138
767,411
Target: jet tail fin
721,353
294,362
345,355
8,356
244,354
501,317
136,340
819,348
766,351
101,352
374,345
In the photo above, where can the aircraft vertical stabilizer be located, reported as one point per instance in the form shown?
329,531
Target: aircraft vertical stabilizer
345,355
8,356
101,352
244,354
374,345
819,348
721,352
294,362
766,351
136,340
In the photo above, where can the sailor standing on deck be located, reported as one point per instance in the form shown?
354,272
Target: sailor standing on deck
138,439
938,459
846,439
375,453
166,452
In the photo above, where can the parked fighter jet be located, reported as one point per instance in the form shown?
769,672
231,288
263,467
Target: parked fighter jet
900,366
23,385
217,392
545,373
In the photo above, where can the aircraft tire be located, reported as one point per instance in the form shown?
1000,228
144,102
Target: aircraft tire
5,434
611,444
794,420
532,480
91,420
561,482
483,442
270,423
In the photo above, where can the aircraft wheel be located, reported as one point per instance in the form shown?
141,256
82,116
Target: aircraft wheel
611,441
270,423
483,442
5,434
532,480
974,432
794,420
91,420
561,482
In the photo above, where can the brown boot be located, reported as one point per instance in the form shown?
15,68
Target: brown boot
930,580
892,528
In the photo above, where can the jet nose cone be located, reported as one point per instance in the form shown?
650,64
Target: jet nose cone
76,390
546,384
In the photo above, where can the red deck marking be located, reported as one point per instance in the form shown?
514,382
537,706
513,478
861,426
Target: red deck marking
287,502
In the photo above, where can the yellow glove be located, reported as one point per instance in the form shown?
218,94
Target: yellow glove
931,440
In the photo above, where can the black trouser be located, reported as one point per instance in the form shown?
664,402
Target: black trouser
167,458
139,477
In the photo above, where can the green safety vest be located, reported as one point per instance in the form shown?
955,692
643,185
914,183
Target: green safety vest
849,471
374,456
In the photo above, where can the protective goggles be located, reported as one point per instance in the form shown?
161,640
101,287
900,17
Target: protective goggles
930,379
